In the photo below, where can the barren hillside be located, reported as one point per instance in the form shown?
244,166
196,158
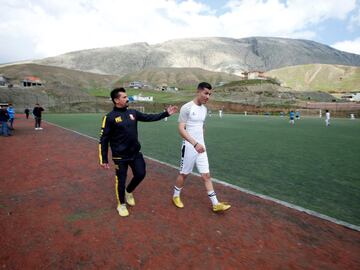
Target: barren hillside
317,77
213,53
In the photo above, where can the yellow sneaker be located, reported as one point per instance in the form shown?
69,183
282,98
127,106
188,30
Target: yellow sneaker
221,206
129,197
122,210
178,203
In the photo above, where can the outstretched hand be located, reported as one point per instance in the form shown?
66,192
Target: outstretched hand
171,109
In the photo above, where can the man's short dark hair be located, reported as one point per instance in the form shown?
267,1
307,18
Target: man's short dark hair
115,93
204,85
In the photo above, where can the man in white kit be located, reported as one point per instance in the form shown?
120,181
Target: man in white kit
327,118
193,151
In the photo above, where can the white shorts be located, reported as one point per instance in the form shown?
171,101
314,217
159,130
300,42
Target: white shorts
190,157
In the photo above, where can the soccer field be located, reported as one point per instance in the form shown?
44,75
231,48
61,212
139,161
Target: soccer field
309,165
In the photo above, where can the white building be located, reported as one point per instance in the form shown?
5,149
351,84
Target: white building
141,98
356,97
352,97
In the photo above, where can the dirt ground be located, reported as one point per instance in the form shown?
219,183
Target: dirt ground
57,211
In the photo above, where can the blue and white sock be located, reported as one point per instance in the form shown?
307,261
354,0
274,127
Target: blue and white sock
212,196
177,191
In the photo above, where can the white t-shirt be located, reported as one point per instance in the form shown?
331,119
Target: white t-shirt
193,116
327,115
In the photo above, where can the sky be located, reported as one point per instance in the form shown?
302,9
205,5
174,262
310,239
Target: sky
34,29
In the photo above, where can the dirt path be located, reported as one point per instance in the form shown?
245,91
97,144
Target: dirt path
57,211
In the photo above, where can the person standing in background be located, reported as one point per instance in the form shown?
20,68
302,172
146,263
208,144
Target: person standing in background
4,118
27,112
11,113
37,114
292,117
327,118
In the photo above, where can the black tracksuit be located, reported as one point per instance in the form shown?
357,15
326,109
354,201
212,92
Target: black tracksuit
4,115
119,129
37,114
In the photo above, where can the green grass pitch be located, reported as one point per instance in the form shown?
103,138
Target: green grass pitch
309,165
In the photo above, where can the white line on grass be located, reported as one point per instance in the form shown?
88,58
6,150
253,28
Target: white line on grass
265,197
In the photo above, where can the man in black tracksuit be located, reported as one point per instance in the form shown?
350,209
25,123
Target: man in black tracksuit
37,114
119,128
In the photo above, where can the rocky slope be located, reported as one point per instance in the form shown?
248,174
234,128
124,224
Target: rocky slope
214,54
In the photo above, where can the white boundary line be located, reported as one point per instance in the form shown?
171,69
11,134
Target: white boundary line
286,204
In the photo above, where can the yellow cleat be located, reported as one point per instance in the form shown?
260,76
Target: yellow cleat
178,203
129,197
122,210
221,206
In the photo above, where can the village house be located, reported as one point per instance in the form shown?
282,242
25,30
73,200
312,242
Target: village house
4,81
136,85
351,97
31,81
253,75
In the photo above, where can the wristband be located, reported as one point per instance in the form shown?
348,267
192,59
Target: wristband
195,145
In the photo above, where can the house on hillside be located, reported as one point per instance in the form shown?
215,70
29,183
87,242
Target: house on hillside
219,84
172,89
4,81
31,81
356,97
136,85
351,97
253,75
165,87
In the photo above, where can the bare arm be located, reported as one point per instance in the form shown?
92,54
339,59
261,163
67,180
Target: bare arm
186,136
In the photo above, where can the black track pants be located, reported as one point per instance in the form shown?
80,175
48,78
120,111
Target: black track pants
138,168
37,122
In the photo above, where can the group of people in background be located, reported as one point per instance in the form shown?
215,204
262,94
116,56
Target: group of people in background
7,117
293,115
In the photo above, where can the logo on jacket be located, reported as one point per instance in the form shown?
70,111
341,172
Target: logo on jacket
118,119
131,117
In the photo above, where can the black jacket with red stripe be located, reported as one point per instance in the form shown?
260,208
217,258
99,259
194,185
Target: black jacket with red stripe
119,128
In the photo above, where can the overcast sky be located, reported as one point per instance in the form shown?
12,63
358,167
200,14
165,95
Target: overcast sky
31,29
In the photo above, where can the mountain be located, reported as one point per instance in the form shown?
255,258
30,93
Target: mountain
214,54
319,77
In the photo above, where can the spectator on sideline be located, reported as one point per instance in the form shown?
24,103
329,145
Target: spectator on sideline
119,129
191,128
292,116
4,118
11,113
27,112
37,114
